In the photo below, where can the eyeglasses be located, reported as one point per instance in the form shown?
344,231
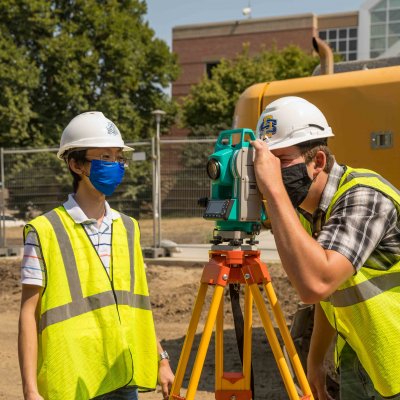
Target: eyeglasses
109,158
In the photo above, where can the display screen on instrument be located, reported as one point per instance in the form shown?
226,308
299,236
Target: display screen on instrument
215,206
218,209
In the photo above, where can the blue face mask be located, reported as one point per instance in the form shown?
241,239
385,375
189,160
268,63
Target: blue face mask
105,176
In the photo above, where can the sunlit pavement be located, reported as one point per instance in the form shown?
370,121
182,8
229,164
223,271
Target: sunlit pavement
197,254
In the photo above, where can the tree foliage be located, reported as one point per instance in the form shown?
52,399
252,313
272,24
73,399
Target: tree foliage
210,105
59,58
18,78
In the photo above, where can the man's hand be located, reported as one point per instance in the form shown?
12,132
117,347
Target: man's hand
165,377
33,395
321,339
316,376
267,167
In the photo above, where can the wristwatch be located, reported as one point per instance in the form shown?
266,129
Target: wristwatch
163,356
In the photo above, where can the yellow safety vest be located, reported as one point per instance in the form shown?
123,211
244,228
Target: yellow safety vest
96,333
365,309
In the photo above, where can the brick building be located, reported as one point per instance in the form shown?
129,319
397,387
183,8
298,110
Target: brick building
200,47
371,32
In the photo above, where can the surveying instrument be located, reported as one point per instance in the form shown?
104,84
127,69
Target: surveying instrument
236,206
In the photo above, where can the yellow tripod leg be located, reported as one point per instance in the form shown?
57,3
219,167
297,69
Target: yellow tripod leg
287,339
187,345
204,342
233,385
273,340
219,347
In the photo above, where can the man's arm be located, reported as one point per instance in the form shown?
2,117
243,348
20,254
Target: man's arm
165,374
313,271
28,340
321,339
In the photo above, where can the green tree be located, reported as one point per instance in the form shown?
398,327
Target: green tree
210,105
18,77
59,58
79,55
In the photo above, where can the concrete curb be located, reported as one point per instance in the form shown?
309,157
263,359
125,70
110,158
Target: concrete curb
168,261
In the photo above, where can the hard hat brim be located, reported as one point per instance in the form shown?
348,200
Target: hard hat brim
285,142
62,152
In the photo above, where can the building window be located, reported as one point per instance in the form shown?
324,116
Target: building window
353,32
342,41
385,26
209,67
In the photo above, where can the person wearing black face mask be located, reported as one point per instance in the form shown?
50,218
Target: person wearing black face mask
337,231
297,183
86,325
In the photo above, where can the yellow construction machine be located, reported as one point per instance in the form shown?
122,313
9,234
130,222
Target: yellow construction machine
362,107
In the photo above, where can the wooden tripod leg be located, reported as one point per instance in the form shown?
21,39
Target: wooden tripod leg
204,342
287,339
187,345
274,343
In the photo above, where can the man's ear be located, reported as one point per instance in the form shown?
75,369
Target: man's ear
319,162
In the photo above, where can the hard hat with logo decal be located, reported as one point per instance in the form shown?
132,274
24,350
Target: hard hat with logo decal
291,120
90,129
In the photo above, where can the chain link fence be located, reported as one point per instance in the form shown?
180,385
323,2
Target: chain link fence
34,181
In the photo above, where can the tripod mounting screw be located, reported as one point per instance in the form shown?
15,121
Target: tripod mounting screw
246,276
225,277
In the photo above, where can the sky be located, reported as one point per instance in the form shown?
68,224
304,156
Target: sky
163,15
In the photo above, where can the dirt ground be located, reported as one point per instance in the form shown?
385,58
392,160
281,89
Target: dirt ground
173,291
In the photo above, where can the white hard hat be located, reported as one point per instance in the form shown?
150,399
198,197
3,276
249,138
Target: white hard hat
90,129
291,120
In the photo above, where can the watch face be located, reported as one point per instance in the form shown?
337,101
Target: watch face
164,355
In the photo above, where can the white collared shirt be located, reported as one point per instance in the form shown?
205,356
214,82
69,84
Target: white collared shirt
33,268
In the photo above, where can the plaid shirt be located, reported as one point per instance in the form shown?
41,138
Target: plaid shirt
364,225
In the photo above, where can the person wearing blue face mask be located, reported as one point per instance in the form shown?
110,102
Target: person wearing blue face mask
86,328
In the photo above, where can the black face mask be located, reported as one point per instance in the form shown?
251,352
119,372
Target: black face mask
297,183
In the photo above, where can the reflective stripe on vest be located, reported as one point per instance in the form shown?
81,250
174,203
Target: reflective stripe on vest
356,308
80,304
375,285
356,174
96,331
365,290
